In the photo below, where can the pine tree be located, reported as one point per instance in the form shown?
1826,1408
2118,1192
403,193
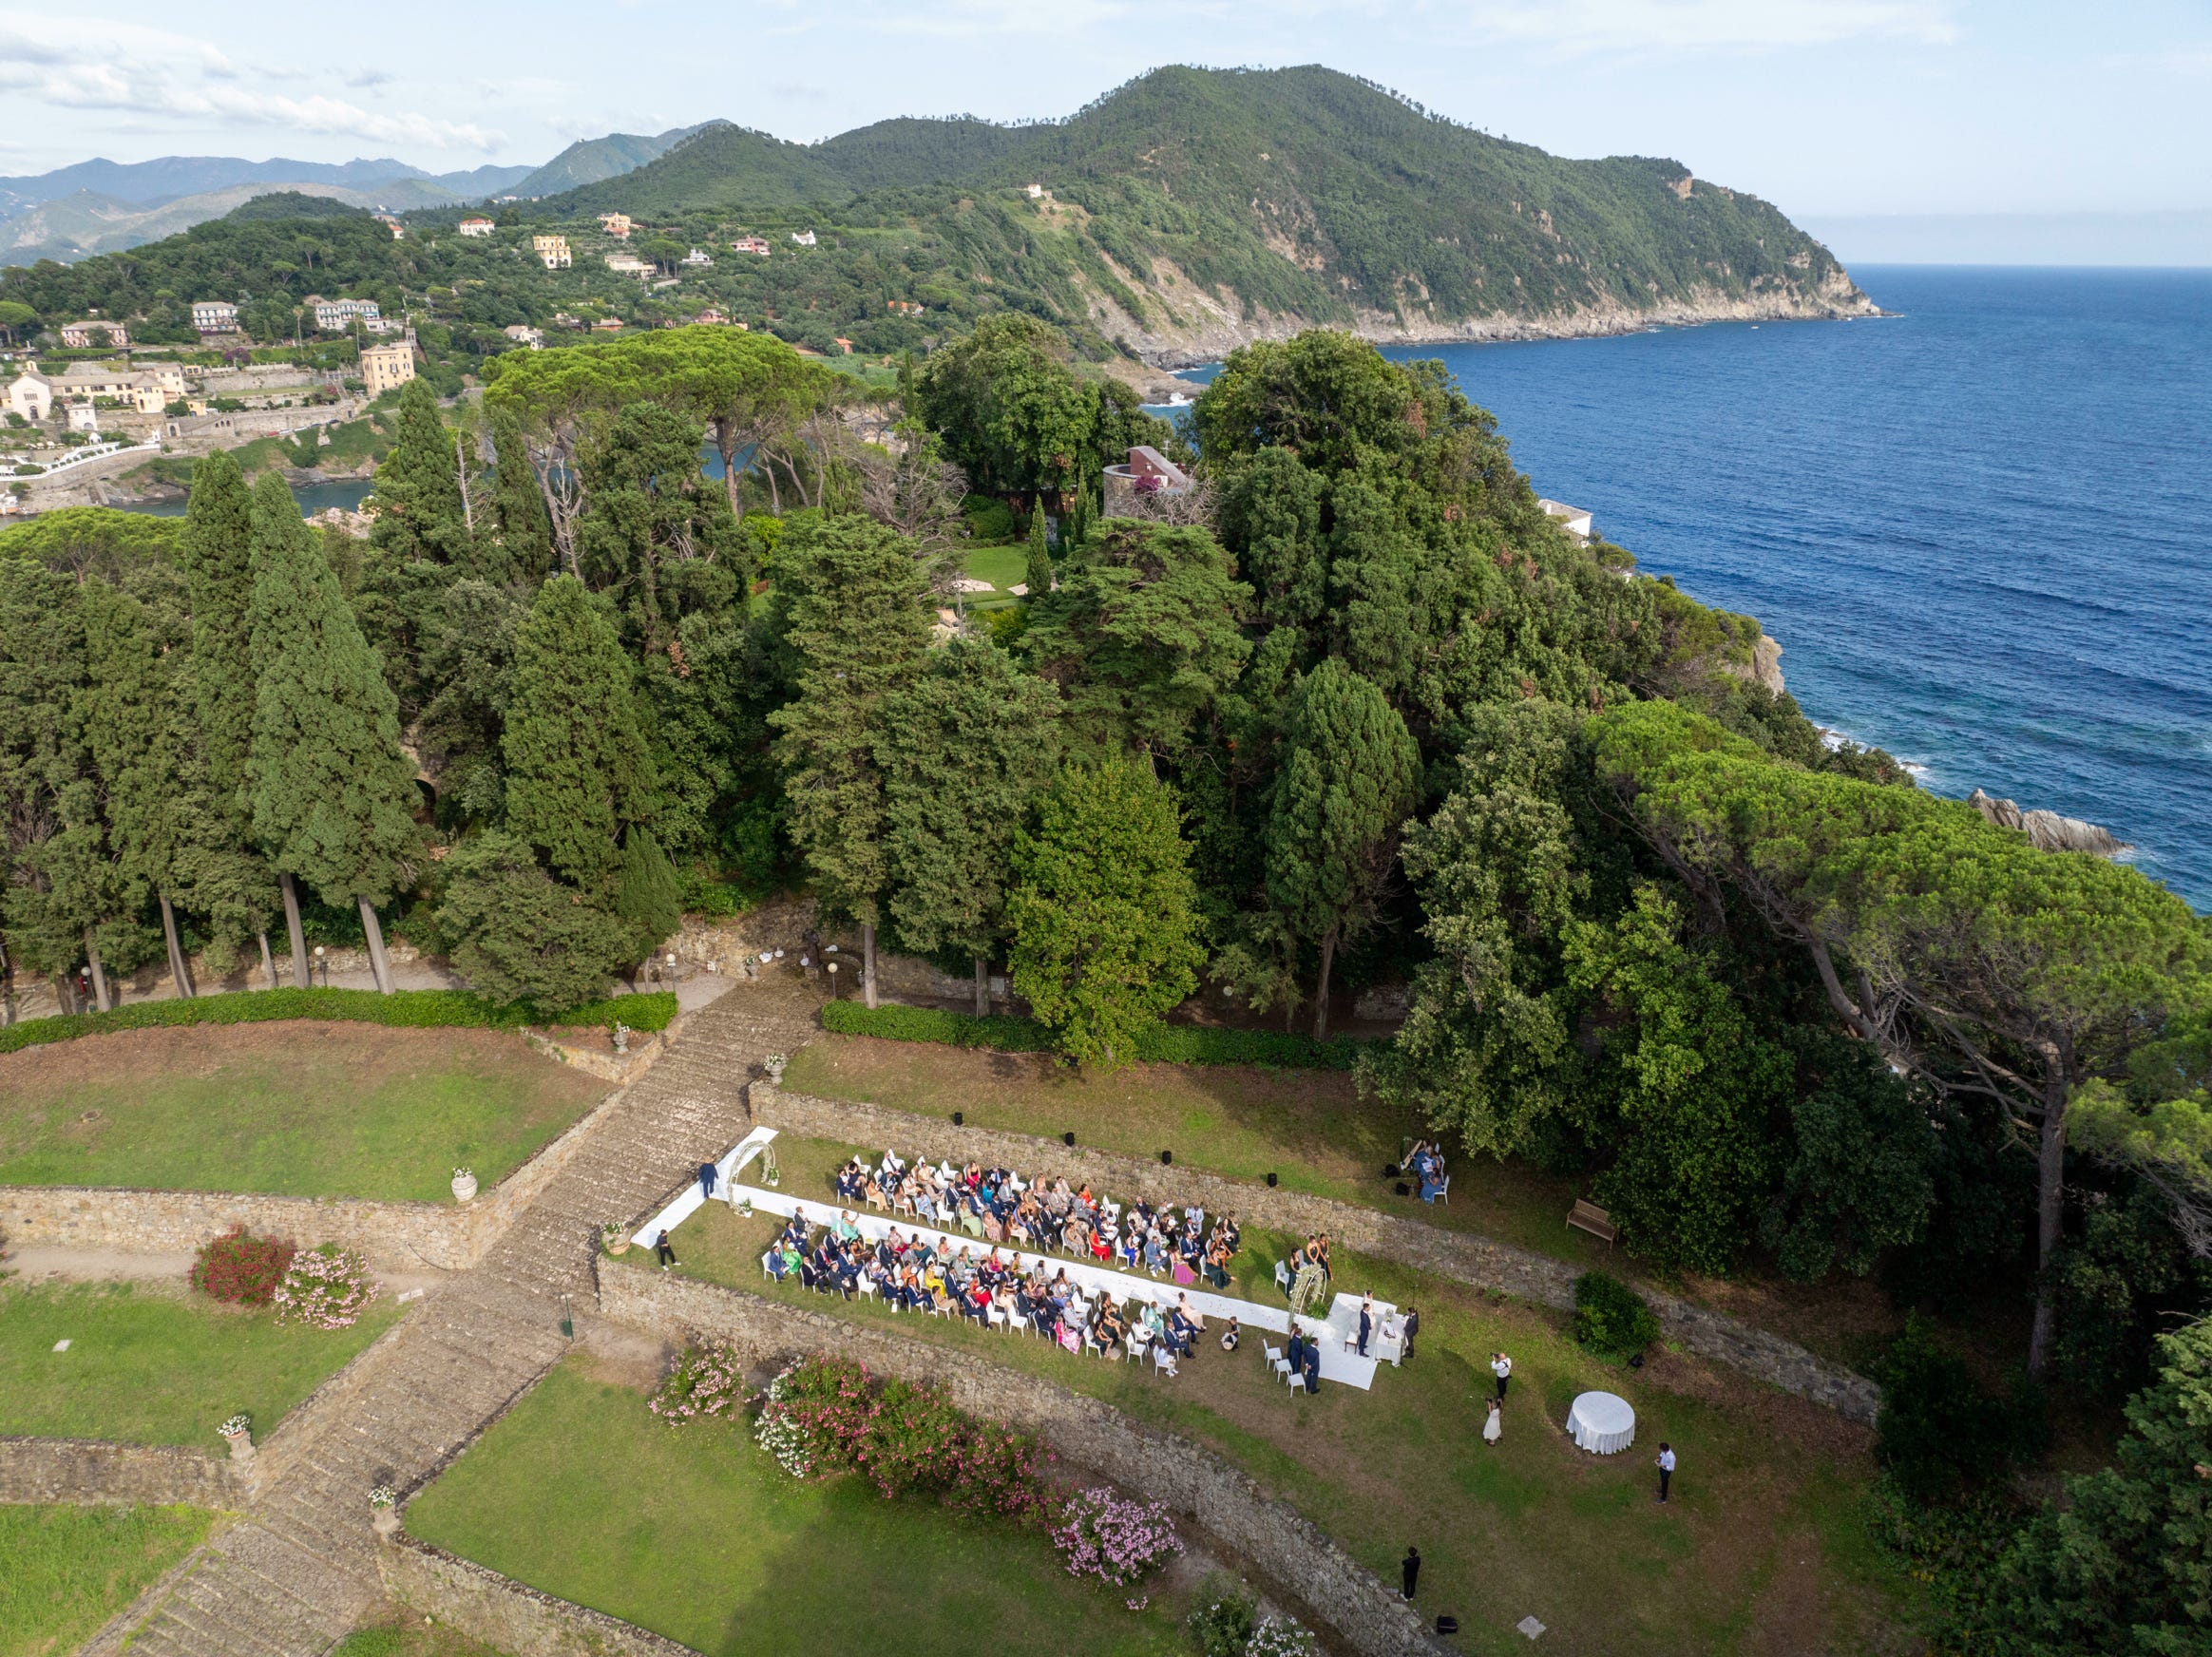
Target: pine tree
966,751
1039,575
577,771
518,505
1349,778
420,513
517,934
859,633
333,794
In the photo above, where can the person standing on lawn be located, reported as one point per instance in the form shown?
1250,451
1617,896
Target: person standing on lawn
662,1251
1502,1367
1408,1573
1494,1429
1666,1467
1405,1340
708,1173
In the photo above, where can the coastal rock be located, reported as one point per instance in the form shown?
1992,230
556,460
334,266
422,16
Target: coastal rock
2048,830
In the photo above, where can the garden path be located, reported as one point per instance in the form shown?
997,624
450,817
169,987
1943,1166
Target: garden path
298,1570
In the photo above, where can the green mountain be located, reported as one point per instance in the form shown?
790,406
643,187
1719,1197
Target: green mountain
589,160
715,165
77,226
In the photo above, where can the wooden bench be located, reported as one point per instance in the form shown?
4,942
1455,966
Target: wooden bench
1590,1217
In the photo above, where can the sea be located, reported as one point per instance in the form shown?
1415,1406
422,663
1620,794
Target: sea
1980,527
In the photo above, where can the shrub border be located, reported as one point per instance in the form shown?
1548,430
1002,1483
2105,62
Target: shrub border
1161,1045
403,1009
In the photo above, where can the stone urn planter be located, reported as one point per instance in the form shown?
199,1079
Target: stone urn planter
622,1037
383,1511
615,1238
463,1186
773,1064
238,1433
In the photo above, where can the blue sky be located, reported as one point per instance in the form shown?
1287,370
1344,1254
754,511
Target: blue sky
1830,107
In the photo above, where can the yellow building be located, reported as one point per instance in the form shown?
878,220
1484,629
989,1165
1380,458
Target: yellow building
386,366
553,250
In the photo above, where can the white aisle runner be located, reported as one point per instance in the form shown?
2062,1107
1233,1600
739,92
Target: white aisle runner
1337,1363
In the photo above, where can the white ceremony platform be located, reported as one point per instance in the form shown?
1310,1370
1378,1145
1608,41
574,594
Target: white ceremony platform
1335,1333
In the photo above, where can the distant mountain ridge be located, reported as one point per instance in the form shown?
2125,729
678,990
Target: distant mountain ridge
1192,209
588,161
167,178
77,226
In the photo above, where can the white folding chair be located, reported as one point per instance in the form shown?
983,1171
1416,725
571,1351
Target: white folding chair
765,1271
1294,1379
1163,1359
995,1317
1276,1362
1283,1276
867,1285
1444,1191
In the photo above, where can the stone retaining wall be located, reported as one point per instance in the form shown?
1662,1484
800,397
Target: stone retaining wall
93,1470
503,1614
1335,1590
1461,1256
403,1236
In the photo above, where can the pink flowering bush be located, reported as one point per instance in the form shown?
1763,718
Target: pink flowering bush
707,1381
327,1287
1112,1538
830,1415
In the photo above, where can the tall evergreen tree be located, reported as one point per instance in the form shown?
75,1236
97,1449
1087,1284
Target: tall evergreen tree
860,634
1104,910
223,864
965,750
517,505
1349,778
420,513
1039,575
333,793
577,771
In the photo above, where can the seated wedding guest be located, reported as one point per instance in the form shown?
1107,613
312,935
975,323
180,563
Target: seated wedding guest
1111,1331
1071,1237
1101,1246
1156,1254
1216,1269
847,1229
1189,1311
1181,1335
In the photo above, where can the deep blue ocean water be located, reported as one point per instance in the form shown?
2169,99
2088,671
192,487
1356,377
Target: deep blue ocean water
1981,529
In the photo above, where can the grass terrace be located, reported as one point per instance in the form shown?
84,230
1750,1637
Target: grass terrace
1769,1529
64,1571
695,1534
293,1109
1313,1131
156,1365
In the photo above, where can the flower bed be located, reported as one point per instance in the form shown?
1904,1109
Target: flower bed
328,1288
242,1270
1107,1536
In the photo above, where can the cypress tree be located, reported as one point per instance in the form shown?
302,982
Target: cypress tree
519,935
333,794
517,505
859,633
221,863
648,892
578,769
420,510
966,751
1039,575
1348,780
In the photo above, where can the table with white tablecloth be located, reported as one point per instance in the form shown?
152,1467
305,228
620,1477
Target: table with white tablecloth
1601,1423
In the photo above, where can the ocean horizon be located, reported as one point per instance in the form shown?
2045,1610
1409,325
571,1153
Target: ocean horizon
1980,527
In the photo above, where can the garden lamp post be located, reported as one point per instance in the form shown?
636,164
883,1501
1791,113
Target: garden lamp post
322,960
833,980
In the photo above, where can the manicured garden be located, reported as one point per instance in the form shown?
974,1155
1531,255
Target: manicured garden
1768,1542
64,1571
299,1108
152,1366
696,1533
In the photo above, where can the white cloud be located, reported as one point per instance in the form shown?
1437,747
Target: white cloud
151,72
1578,27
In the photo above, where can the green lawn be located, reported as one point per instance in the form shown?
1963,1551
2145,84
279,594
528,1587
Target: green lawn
1764,1547
149,1366
411,1637
64,1571
697,1534
1315,1134
1002,567
296,1109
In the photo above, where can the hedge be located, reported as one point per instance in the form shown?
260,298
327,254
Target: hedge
1611,1318
404,1009
1161,1045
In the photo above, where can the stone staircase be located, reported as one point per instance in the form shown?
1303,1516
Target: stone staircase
298,1570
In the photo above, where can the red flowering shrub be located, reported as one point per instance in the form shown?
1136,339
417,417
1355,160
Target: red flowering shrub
242,1270
826,1415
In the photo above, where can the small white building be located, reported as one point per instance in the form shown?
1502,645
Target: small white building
477,227
31,395
523,334
83,417
696,259
628,264
215,316
1032,191
804,237
337,315
1573,519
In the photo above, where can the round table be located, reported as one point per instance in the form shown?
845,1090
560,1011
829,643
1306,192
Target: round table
1601,1423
